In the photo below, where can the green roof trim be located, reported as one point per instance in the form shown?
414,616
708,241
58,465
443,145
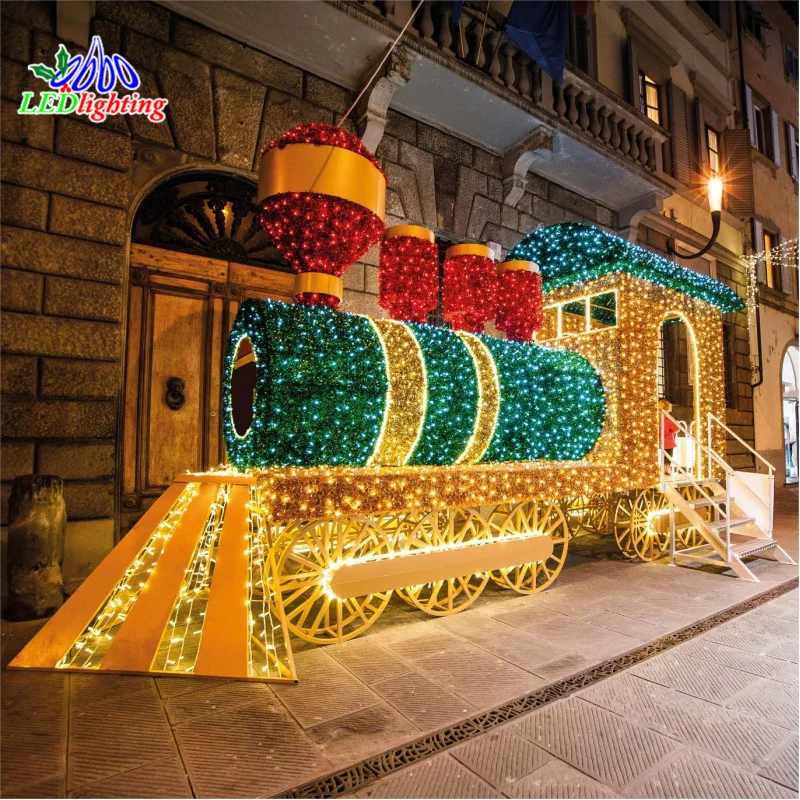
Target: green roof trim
572,252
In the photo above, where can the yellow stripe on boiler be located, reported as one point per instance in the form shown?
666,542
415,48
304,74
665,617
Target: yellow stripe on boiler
488,400
406,396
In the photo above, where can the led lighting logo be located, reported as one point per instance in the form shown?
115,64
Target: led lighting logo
72,78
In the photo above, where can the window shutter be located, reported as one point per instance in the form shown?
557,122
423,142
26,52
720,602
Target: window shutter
583,59
776,139
791,147
679,134
701,152
751,115
633,73
739,184
758,247
786,274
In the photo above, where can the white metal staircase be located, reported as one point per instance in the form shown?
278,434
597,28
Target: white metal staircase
733,515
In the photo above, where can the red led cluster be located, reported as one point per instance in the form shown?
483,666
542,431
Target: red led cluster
519,304
469,292
320,133
408,278
318,232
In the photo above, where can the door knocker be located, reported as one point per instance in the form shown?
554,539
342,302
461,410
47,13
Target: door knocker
175,397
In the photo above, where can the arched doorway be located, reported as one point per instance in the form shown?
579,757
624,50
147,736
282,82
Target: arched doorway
677,378
196,253
789,399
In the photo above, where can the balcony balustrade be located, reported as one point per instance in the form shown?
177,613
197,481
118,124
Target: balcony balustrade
582,106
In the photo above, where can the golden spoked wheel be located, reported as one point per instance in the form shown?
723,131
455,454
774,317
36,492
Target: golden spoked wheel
636,525
576,513
455,527
623,509
598,513
543,518
587,513
308,554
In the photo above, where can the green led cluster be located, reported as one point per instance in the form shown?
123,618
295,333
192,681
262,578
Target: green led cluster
572,252
552,404
452,396
320,387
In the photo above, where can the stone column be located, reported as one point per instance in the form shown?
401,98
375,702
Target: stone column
37,523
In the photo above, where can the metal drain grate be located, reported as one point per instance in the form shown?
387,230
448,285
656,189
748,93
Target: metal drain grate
356,777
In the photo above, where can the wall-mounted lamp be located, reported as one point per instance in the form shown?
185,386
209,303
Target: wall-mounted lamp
715,206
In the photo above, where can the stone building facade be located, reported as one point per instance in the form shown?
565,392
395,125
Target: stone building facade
768,100
71,191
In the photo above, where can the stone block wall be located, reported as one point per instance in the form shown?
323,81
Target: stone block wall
68,191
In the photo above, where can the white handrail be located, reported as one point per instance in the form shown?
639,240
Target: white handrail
712,418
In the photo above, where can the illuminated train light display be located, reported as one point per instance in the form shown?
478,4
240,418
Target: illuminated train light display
372,458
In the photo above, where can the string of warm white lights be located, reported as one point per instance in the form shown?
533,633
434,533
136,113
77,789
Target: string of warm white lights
91,646
264,629
180,643
785,255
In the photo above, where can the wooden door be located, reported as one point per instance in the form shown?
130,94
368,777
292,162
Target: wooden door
180,310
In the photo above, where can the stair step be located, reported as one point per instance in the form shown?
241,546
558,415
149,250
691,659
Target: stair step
695,482
735,522
702,502
753,546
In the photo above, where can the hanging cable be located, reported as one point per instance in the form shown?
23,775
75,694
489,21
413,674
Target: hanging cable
378,68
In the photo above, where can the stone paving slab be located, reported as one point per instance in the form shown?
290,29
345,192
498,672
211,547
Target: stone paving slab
165,779
440,776
411,674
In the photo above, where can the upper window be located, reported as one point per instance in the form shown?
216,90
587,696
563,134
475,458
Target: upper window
649,96
712,143
761,128
754,21
712,10
790,61
773,270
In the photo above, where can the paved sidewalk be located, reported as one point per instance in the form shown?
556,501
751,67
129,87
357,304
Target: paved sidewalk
714,717
125,736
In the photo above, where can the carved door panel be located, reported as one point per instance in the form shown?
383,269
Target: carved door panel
180,310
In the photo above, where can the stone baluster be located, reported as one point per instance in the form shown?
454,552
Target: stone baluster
634,151
583,113
537,84
595,120
509,76
445,34
478,48
624,143
560,103
426,23
605,128
524,82
572,106
388,8
616,140
403,9
494,66
651,154
643,148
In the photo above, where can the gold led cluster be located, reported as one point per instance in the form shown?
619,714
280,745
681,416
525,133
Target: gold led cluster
488,400
406,397
334,492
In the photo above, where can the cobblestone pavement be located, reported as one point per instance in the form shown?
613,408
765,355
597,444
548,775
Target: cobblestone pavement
716,716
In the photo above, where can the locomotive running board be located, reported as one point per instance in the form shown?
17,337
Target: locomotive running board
176,596
414,568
